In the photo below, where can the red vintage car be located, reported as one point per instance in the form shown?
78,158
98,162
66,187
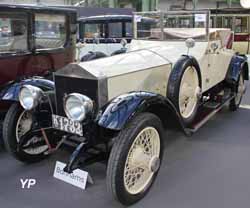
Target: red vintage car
34,41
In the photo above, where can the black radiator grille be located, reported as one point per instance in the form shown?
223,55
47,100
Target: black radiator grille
67,85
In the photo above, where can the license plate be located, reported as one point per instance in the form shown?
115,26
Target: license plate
67,125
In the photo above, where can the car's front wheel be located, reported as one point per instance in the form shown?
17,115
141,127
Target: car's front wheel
17,123
135,159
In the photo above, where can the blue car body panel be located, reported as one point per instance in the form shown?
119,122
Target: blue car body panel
119,111
236,66
11,91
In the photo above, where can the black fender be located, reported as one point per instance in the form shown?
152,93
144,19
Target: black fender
11,91
120,51
93,56
182,62
237,64
174,83
116,114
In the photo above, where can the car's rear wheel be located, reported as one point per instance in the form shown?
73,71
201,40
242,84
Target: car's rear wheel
17,123
238,90
135,159
184,92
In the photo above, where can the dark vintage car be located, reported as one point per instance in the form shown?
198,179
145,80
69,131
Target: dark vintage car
104,35
34,41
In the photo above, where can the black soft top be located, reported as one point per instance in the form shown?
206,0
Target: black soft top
106,18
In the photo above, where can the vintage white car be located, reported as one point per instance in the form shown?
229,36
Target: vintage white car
116,107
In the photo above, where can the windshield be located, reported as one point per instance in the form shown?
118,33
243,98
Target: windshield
94,30
171,26
105,29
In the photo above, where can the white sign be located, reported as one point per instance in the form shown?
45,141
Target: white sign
200,17
138,18
27,183
78,178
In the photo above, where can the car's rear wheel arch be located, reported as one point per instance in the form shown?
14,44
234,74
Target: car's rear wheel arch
90,56
185,87
186,60
237,65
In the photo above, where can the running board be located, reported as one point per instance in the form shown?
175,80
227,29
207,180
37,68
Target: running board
208,113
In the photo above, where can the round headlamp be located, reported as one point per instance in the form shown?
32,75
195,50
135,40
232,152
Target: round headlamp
29,96
77,106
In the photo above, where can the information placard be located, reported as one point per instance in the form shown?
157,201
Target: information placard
78,178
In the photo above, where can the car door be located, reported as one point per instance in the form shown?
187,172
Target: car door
219,57
14,47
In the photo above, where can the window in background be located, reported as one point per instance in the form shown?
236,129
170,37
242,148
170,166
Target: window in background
94,31
241,25
115,30
13,32
129,29
228,22
219,22
50,31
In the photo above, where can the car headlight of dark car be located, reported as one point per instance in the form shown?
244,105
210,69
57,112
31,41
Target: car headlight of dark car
77,106
30,96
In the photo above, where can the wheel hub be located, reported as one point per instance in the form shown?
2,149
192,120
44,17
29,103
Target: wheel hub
154,164
198,92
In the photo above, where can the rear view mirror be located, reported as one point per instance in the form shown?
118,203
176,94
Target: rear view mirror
190,43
